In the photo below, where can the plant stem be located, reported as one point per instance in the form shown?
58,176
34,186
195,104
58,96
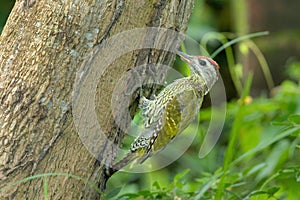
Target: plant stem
233,136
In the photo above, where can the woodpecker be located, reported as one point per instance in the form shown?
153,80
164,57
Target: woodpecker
173,109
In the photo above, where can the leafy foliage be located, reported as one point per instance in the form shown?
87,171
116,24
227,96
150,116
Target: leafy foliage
265,158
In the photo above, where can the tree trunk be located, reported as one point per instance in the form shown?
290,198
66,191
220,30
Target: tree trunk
45,48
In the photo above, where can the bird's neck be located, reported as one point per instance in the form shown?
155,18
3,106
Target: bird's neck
202,82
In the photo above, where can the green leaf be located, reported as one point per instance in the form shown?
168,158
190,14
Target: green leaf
178,179
272,191
257,192
145,193
281,123
181,175
156,185
294,119
114,192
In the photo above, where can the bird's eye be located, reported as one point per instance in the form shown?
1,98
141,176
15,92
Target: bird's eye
202,62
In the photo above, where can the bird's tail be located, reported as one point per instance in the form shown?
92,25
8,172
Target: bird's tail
129,157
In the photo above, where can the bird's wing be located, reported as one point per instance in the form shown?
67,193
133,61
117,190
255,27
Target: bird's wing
168,127
190,104
152,110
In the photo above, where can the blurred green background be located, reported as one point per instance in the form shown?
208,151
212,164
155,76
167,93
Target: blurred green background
259,145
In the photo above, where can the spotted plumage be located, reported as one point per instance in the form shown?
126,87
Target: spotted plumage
173,109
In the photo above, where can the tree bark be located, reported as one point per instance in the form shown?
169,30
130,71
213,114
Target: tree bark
43,47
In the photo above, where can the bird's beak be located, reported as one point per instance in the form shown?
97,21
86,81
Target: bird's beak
184,57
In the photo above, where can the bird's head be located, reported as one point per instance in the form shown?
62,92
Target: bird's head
204,66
